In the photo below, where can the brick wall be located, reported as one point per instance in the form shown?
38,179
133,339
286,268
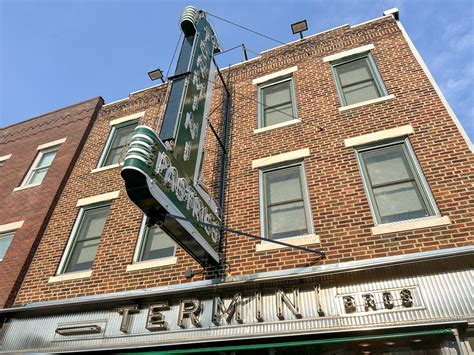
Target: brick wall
339,206
34,205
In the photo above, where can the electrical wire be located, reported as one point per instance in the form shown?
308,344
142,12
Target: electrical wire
249,98
228,50
245,28
321,253
174,53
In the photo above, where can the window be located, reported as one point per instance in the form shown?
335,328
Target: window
277,102
86,236
153,244
40,167
5,240
118,140
357,79
285,202
396,188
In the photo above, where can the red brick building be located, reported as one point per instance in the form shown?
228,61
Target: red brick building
36,159
340,142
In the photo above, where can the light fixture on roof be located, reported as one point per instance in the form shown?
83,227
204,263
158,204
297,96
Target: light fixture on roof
299,27
156,74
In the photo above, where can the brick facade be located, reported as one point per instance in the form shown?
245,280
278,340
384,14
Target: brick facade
34,205
339,205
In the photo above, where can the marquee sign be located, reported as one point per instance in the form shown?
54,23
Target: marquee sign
162,172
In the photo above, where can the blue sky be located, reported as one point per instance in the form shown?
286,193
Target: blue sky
54,53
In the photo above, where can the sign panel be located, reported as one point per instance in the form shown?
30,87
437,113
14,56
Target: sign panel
252,310
162,172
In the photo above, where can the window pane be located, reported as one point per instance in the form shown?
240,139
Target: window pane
5,240
360,92
354,72
121,137
37,176
399,202
93,223
287,220
283,185
278,114
87,239
114,156
386,165
46,159
83,255
157,244
277,94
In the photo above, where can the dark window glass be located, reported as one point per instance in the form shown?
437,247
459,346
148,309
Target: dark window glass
395,189
156,244
120,139
87,239
5,240
278,103
357,81
285,205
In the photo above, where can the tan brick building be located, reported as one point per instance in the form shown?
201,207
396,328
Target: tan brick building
36,159
340,142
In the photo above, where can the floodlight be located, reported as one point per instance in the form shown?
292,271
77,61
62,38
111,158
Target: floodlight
156,74
299,27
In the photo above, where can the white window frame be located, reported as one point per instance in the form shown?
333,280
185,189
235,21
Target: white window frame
4,235
305,193
120,123
9,228
261,108
73,237
3,159
25,183
144,264
422,184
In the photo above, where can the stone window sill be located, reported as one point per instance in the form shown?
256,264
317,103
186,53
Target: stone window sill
299,240
368,102
152,263
411,225
96,170
26,186
71,276
275,126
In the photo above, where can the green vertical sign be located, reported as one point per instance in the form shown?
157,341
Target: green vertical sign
163,177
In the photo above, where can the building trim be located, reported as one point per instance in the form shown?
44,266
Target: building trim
11,226
427,72
277,125
102,168
379,136
368,102
275,75
5,157
120,120
171,260
70,276
280,158
295,273
306,38
367,22
51,144
26,186
348,53
411,225
97,198
299,240
149,88
115,102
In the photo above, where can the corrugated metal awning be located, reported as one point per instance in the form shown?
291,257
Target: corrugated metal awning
301,343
